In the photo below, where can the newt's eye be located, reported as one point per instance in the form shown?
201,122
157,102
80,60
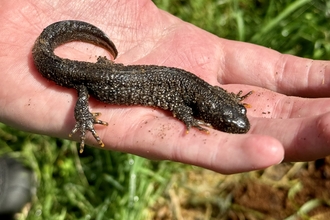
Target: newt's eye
243,110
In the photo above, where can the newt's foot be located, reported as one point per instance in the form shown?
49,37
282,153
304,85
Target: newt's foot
198,124
85,120
241,97
84,124
185,114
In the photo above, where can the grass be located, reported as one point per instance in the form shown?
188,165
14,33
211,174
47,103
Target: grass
111,185
98,185
296,27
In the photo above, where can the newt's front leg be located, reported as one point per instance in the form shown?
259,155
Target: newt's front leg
85,120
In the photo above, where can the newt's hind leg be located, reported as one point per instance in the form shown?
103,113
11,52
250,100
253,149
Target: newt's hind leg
85,120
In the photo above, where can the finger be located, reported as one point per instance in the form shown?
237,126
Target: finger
263,67
230,153
304,139
156,136
267,104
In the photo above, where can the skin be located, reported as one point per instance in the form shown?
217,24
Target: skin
283,126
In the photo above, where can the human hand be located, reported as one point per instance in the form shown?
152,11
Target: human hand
281,126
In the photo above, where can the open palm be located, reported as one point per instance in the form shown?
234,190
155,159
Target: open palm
282,126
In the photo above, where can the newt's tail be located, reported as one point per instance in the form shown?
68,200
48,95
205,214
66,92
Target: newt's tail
71,30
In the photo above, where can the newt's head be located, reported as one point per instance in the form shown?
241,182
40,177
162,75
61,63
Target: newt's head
224,111
232,120
225,116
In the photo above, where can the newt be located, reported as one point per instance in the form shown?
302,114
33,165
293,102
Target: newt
190,99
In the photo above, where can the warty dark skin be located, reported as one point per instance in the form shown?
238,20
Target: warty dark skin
189,98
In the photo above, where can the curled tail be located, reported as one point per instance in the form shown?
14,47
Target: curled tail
72,30
53,67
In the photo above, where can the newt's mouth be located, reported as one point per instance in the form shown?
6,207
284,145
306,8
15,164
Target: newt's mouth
242,125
